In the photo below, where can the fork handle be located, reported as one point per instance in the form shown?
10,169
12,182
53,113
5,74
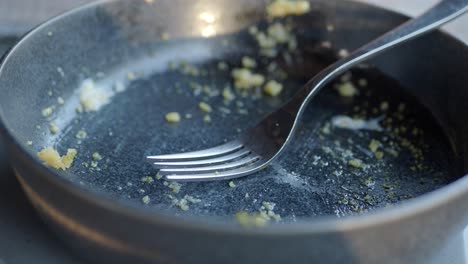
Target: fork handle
438,15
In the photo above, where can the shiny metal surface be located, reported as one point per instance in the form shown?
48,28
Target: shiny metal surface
269,138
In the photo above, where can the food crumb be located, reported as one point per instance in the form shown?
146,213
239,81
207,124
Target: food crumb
182,204
384,106
174,186
52,158
248,62
53,128
91,97
245,79
192,199
343,53
46,112
205,107
326,129
362,82
79,109
232,184
60,101
279,33
207,119
281,8
273,88
173,117
81,134
247,220
96,156
228,95
29,143
357,163
94,164
146,199
147,179
379,155
374,145
265,42
347,89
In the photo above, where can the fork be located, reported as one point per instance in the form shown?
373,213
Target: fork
260,145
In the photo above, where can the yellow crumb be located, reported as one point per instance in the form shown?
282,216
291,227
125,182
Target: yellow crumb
207,119
279,33
173,117
265,41
67,160
379,154
245,79
96,156
175,187
53,128
357,163
247,220
146,199
248,62
182,204
81,134
205,107
374,145
147,179
51,157
273,88
347,89
46,112
192,199
228,95
281,8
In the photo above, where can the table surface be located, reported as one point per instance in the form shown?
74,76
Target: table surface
23,237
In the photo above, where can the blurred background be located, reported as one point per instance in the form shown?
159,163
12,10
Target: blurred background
20,15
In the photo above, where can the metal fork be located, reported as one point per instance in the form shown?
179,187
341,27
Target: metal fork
257,147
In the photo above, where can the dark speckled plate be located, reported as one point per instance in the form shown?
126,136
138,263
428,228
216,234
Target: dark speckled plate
313,177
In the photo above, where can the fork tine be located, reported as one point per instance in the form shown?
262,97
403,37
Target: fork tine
225,166
226,158
215,176
200,154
